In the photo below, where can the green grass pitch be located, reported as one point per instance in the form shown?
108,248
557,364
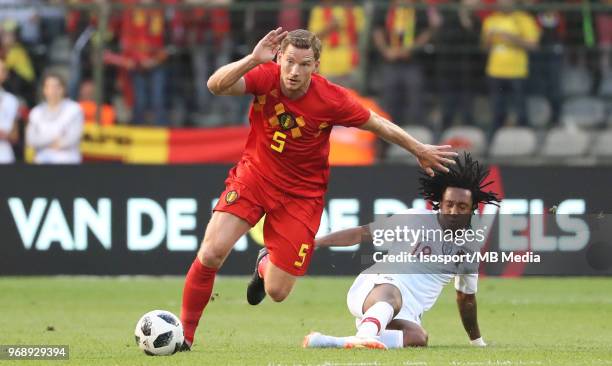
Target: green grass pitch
528,321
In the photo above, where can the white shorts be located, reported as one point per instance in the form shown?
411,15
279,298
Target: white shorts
364,283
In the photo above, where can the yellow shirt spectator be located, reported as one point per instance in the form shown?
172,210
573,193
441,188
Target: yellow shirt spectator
507,60
340,53
17,60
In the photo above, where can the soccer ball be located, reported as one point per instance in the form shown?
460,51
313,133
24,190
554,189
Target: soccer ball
159,333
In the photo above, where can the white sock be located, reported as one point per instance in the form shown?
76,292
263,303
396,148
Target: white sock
375,319
392,338
326,341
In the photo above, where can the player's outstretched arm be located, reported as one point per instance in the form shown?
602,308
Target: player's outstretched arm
229,79
467,310
344,238
430,157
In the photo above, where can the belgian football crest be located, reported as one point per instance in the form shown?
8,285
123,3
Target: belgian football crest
286,121
231,197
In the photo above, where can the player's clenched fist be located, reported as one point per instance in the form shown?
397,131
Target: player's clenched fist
268,46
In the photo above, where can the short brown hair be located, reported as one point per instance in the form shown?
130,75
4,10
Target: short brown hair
301,38
54,75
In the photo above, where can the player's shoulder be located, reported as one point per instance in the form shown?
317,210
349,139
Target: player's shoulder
417,211
263,78
411,216
268,69
329,91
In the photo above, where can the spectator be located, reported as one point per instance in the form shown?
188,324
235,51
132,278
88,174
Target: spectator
18,63
90,108
547,60
142,42
55,126
508,35
338,25
458,61
25,14
400,36
9,105
210,44
290,14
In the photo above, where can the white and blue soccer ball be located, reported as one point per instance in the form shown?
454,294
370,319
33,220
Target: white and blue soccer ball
159,333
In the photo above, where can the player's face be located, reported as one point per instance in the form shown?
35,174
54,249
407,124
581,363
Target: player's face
297,66
455,208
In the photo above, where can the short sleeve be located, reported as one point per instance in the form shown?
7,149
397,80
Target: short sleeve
467,283
259,80
349,111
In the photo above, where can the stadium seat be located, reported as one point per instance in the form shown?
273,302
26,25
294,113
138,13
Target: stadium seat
565,143
602,145
605,88
575,81
397,154
583,112
511,142
539,111
465,138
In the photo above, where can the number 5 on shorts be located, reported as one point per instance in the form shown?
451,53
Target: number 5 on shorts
302,254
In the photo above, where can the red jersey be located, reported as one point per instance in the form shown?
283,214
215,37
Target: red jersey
288,144
142,33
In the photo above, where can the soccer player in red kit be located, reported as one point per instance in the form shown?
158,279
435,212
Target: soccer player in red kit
284,170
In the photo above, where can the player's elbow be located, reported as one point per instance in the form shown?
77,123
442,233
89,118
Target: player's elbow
213,86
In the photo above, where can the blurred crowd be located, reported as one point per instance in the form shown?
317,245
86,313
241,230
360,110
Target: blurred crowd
433,63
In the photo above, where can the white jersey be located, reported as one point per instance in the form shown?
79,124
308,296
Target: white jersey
9,105
63,125
420,283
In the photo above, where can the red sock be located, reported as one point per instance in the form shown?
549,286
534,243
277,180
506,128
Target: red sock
261,267
196,293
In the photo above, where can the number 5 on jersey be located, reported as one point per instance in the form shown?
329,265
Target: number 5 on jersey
278,138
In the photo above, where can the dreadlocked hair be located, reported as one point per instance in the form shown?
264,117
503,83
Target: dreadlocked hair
467,173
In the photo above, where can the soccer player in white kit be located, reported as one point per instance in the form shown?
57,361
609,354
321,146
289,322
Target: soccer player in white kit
388,302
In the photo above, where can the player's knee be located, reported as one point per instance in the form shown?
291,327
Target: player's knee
276,293
211,254
415,339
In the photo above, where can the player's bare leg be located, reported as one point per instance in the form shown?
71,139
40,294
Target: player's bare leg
222,232
278,283
380,306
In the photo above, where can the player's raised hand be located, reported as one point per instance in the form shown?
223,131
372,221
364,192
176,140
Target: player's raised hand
435,157
268,46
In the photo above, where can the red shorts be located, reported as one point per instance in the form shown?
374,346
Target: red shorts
291,222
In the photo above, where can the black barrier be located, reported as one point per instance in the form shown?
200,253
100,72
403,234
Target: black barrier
115,219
